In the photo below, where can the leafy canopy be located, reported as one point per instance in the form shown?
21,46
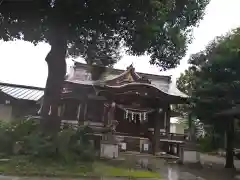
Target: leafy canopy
213,79
186,84
94,28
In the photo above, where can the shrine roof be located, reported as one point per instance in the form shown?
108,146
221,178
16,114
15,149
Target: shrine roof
80,74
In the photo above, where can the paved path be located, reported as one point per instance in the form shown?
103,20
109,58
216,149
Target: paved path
217,160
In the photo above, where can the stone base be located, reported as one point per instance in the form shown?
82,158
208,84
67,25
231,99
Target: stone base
109,151
191,156
144,145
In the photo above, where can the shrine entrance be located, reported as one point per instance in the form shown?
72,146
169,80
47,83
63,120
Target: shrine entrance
140,115
133,122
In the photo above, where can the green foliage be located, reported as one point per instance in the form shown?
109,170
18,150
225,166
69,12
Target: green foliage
109,171
25,136
214,84
213,78
5,138
22,166
218,77
205,144
186,81
94,29
186,84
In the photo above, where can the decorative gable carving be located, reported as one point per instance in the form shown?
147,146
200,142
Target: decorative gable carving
128,76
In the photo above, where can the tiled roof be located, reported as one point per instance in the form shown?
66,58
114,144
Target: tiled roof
22,92
79,74
174,91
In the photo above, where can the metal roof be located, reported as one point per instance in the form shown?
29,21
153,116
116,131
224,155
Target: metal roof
22,92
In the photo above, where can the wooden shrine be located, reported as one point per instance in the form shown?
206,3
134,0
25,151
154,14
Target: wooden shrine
139,103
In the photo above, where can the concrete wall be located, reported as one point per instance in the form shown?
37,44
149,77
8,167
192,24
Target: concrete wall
177,128
109,150
191,156
17,110
5,112
21,109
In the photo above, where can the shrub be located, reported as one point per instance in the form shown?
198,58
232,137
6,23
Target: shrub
6,142
25,136
206,144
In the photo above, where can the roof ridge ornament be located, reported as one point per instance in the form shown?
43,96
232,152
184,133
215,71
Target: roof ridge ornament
130,67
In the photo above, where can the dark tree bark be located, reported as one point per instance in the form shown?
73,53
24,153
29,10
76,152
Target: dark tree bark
229,149
56,73
190,127
214,143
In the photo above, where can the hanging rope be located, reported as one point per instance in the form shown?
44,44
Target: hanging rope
132,114
133,110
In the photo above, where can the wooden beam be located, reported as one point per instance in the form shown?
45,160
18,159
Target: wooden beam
91,96
79,111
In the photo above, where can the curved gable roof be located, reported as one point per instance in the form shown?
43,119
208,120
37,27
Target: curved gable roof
116,77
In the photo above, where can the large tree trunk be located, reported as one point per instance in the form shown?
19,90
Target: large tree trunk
229,148
56,73
190,126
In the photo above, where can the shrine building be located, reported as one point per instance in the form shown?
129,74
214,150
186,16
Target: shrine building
139,102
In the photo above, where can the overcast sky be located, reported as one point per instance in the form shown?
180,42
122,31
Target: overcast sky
23,63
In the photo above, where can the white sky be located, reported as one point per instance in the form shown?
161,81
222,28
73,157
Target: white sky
23,63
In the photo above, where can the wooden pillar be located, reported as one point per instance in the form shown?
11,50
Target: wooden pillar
111,113
171,148
85,112
191,129
168,114
156,139
105,113
62,116
59,110
181,153
79,109
81,112
178,149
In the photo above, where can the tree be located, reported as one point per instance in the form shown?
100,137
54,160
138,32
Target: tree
215,84
186,84
94,29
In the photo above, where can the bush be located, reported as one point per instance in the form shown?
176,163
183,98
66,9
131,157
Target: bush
206,144
6,142
25,138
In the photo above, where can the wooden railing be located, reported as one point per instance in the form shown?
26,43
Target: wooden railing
170,136
173,136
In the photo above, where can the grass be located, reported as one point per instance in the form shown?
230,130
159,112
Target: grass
106,170
24,167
